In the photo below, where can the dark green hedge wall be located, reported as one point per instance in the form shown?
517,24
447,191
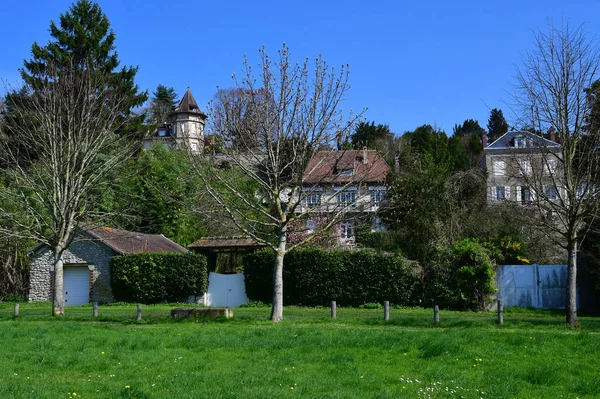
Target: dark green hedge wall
156,277
317,277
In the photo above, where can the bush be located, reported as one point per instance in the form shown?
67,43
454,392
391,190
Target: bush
461,277
315,277
384,241
156,277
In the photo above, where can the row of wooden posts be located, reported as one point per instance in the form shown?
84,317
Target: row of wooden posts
436,312
386,311
94,310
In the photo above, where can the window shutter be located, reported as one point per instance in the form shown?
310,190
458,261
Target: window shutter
507,193
494,198
532,193
518,191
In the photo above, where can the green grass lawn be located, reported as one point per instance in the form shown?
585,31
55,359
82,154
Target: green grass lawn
358,355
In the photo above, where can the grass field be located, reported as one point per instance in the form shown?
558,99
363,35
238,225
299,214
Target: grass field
358,355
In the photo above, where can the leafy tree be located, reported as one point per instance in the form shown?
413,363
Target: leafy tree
163,102
83,39
430,140
497,125
465,145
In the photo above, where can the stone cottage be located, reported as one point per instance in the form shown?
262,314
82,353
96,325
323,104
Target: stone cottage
87,263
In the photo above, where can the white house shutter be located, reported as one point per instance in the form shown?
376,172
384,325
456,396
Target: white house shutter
518,188
494,194
507,193
532,193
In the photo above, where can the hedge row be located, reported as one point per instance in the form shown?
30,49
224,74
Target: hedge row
157,277
316,277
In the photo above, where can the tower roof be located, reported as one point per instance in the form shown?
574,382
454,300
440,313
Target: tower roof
189,105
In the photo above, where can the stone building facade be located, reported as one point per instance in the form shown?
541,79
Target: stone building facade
92,250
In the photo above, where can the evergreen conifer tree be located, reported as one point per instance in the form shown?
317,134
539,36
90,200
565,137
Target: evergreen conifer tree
497,125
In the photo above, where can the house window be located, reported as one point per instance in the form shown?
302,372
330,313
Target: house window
162,132
377,196
525,166
313,200
347,229
500,193
346,172
346,198
525,194
551,193
499,168
520,142
551,166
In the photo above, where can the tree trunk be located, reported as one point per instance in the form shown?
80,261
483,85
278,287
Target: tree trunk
571,305
277,309
58,300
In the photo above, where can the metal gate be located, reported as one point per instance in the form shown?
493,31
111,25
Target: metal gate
227,290
532,286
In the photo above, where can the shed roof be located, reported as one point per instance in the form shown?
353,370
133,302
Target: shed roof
129,242
226,243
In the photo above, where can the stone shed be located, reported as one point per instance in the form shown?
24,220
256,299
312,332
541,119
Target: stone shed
87,263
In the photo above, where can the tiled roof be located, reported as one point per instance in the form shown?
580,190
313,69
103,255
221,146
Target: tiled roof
225,242
329,167
506,141
189,105
128,242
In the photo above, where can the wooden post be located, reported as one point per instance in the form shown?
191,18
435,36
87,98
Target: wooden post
333,310
500,312
95,311
139,312
16,310
386,310
436,314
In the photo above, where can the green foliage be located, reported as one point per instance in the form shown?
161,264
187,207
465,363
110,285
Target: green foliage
461,277
316,277
84,38
156,277
497,125
375,137
163,102
383,241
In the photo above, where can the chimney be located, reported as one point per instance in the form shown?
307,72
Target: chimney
552,134
397,163
365,160
483,138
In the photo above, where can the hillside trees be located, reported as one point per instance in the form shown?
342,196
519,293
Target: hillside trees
163,102
497,125
552,85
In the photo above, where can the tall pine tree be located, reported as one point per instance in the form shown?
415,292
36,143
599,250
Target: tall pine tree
83,39
163,102
497,125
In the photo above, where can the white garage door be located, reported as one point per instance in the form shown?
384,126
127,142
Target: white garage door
77,285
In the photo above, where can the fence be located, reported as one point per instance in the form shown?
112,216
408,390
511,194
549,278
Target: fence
533,286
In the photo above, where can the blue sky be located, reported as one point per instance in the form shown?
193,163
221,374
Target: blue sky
411,62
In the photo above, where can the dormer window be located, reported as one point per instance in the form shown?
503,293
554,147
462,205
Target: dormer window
162,131
346,172
520,142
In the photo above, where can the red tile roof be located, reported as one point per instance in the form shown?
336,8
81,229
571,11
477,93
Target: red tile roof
129,242
325,167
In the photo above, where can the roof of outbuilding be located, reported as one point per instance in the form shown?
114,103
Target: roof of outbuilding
325,166
226,242
506,141
128,242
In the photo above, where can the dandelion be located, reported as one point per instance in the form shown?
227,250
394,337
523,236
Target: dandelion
362,376
102,353
127,387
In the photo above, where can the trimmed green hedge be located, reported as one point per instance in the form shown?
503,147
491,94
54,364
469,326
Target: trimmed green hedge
316,277
156,277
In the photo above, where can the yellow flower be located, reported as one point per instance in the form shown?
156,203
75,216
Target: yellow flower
362,376
102,353
127,387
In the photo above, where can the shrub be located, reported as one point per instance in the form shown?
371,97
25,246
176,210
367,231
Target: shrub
156,277
315,277
461,277
384,241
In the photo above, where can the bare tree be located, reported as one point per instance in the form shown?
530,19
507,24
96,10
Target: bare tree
73,115
277,122
551,94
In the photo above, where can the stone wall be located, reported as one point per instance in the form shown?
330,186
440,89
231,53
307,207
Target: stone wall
91,253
